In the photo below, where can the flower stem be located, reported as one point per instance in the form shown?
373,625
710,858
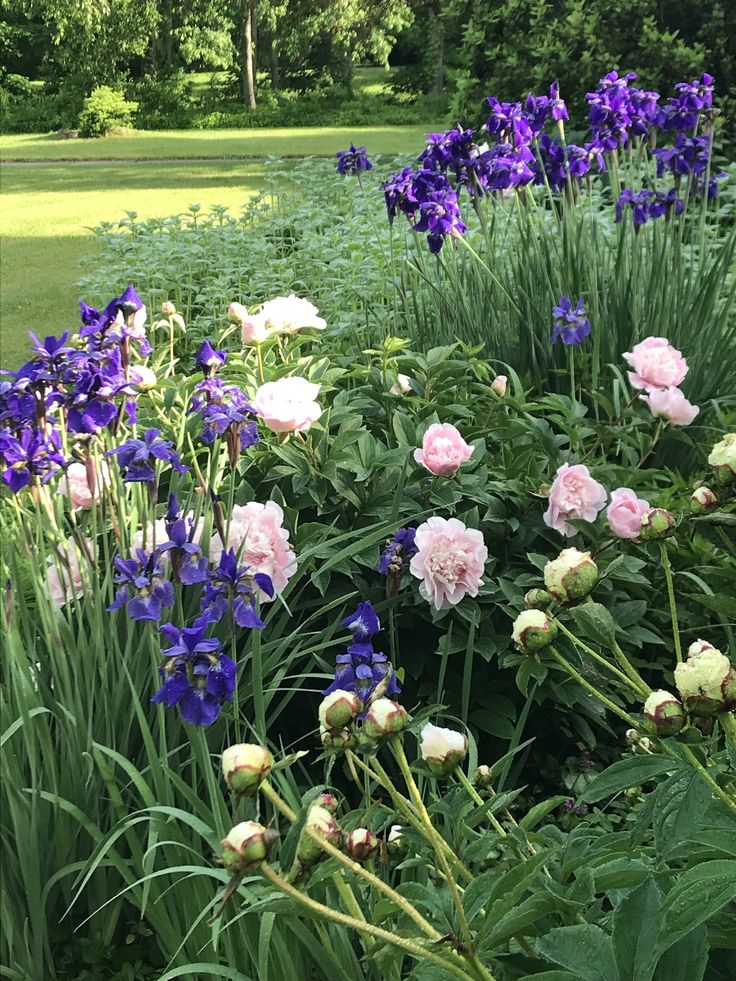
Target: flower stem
630,678
717,790
727,721
591,689
671,594
496,824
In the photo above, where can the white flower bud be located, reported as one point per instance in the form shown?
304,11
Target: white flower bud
385,718
402,386
245,766
656,523
664,713
702,500
320,821
571,576
498,385
706,681
361,844
168,309
533,631
442,749
246,846
338,709
142,378
722,459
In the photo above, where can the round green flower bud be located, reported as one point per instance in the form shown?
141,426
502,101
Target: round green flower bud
533,631
702,500
483,777
664,713
706,681
656,523
361,844
338,709
571,576
538,599
245,766
396,842
442,749
322,823
328,801
385,718
168,309
336,739
246,846
722,459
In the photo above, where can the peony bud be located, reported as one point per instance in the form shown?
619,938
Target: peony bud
698,646
246,846
338,709
483,777
328,801
644,746
168,309
245,767
442,749
664,713
402,385
702,500
706,681
722,459
321,822
141,378
336,739
361,844
533,631
632,736
498,385
384,718
571,576
538,599
396,841
656,523
237,313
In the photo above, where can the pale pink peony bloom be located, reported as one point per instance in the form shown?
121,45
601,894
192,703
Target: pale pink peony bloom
254,330
290,314
64,577
656,364
498,385
256,532
287,405
74,484
443,450
237,312
449,561
402,385
671,404
625,512
574,494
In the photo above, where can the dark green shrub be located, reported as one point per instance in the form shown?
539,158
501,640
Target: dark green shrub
103,110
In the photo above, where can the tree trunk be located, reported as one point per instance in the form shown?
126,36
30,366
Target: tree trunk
275,69
438,43
249,82
254,42
168,27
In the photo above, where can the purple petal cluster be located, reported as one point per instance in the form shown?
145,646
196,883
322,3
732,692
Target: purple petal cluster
29,457
646,204
138,457
142,587
354,161
688,155
234,590
571,322
198,677
208,360
429,201
682,112
362,668
225,411
398,552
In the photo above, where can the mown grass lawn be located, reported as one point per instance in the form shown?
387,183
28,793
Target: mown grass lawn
49,208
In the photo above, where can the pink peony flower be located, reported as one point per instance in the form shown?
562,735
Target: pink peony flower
64,574
402,385
290,314
574,494
256,532
449,561
443,450
625,512
254,330
671,404
74,484
498,385
287,405
656,364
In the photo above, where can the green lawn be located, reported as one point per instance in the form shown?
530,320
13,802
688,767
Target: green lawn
48,209
219,143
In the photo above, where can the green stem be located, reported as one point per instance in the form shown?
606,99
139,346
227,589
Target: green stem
727,721
631,678
351,905
462,777
591,689
412,948
671,594
717,790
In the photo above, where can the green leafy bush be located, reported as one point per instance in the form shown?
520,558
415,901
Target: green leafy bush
104,109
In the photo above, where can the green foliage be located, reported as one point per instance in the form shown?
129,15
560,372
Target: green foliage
104,109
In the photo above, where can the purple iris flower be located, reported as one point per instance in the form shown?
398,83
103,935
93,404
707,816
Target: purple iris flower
363,623
682,112
508,122
638,201
398,191
198,677
96,322
398,553
439,213
610,113
361,670
448,151
688,155
187,560
28,456
142,588
225,410
209,360
234,589
354,161
138,457
557,106
571,324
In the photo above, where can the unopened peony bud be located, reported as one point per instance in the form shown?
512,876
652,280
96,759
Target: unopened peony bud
538,599
322,823
336,739
168,309
571,576
706,682
664,713
385,718
533,631
246,846
237,313
338,709
632,794
644,746
698,646
402,385
361,844
442,749
722,459
498,385
142,378
702,500
328,801
656,523
396,841
483,777
245,766
632,736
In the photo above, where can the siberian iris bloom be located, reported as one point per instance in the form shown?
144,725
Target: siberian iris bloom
125,313
508,122
354,161
190,565
142,588
234,589
449,151
363,623
29,455
138,457
362,669
688,155
683,111
398,191
439,213
571,324
198,677
610,112
638,201
225,410
209,360
93,386
398,552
